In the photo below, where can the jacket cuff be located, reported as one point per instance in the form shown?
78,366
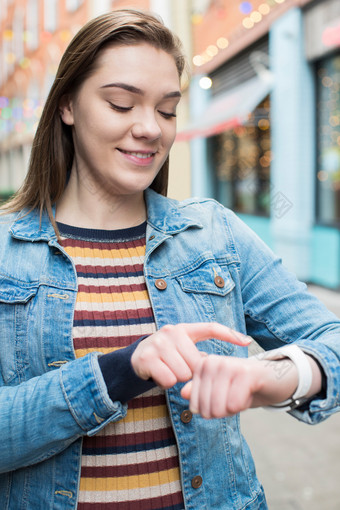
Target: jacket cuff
86,395
327,402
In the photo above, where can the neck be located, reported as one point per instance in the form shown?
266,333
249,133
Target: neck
86,209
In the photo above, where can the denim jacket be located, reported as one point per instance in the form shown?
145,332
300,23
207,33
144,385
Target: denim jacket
49,400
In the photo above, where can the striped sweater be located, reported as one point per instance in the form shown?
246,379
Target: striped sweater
132,464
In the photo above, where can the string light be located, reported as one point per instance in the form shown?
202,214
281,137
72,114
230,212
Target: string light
264,9
19,116
246,7
65,35
222,43
4,101
205,82
212,50
8,35
251,18
248,23
24,63
10,58
255,16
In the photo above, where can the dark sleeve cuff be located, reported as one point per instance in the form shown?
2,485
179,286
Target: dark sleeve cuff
121,380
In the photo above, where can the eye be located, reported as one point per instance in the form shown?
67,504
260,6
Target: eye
118,108
167,115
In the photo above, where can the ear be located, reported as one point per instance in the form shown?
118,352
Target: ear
66,110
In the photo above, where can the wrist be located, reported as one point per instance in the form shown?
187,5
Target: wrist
300,379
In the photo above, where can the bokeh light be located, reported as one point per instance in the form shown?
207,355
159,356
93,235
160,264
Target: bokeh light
205,82
246,7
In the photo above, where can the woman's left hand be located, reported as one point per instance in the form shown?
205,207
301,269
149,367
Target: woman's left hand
224,386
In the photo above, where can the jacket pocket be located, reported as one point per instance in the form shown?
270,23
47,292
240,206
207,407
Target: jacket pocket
16,300
14,291
209,277
208,288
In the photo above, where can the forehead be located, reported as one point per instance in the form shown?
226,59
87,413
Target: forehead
138,62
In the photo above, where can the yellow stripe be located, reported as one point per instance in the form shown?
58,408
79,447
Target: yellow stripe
105,350
130,482
146,413
114,297
137,251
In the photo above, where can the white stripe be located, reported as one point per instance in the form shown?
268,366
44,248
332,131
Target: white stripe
143,304
131,495
121,428
127,459
112,282
108,331
97,261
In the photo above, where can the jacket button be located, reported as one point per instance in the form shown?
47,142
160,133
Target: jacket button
196,482
219,281
161,284
151,238
186,416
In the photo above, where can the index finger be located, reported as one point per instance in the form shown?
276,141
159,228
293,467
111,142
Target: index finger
204,330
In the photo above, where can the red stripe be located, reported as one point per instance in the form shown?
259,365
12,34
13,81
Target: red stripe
144,504
128,439
140,313
129,268
143,401
80,243
106,343
111,289
129,470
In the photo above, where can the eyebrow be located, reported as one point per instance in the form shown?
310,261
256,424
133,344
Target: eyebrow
136,90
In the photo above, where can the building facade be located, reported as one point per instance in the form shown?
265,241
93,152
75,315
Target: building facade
265,137
33,37
264,130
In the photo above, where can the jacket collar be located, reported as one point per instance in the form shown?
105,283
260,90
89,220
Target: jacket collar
164,214
28,227
168,215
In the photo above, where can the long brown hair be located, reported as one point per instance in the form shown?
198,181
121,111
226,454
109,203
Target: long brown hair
53,150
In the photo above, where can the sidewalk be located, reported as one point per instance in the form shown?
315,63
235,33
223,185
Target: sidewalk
298,464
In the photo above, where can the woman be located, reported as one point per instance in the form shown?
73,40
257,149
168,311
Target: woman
124,314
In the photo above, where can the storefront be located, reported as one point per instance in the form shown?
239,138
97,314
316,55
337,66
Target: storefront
328,142
265,139
322,35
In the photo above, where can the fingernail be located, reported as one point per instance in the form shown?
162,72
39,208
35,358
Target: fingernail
246,339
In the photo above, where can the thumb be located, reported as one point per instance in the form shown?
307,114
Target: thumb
186,390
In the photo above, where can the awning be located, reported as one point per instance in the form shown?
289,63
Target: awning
228,110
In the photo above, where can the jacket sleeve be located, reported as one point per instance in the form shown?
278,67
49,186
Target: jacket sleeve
42,416
279,310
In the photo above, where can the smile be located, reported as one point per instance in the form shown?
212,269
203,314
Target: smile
141,155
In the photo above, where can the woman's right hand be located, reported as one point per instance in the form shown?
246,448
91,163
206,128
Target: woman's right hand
170,355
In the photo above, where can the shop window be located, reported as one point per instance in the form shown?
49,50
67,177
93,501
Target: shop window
73,5
328,136
50,15
32,24
242,158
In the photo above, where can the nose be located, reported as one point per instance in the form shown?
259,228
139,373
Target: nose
146,126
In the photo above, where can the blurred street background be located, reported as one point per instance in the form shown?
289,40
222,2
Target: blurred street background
259,123
258,129
297,464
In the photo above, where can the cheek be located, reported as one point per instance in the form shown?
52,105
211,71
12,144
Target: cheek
169,135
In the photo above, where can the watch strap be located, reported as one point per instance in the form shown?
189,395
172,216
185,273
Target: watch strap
305,375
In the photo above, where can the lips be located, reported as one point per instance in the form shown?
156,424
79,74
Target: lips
138,154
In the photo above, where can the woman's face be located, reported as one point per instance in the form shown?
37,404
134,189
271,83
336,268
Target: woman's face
123,119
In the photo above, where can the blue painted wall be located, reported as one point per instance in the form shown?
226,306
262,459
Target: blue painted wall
311,252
